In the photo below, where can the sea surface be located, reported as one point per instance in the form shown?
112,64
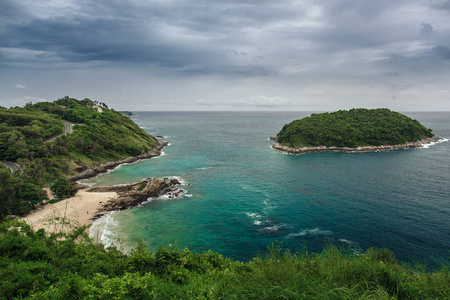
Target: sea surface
241,195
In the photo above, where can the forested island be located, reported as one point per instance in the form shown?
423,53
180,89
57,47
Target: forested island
353,130
56,143
36,139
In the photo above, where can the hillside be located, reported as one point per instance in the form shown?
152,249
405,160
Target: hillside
33,136
35,265
352,128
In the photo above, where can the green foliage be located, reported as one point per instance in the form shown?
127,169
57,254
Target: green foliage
24,138
63,188
37,265
356,127
142,186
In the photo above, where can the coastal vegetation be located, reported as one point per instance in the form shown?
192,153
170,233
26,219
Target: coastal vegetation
69,265
32,136
36,265
353,128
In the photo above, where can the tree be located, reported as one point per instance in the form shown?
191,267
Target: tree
62,188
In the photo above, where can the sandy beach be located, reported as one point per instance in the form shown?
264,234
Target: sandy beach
77,210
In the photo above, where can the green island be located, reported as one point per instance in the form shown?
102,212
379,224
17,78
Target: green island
55,143
353,130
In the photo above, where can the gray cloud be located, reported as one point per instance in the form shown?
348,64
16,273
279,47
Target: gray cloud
303,50
426,28
443,5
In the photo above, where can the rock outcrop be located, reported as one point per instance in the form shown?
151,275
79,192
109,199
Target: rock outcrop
380,148
131,195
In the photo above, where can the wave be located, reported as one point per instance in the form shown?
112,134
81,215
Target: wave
257,218
268,207
204,168
348,242
442,140
180,180
315,231
102,230
275,227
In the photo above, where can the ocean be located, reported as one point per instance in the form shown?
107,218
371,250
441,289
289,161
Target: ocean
241,195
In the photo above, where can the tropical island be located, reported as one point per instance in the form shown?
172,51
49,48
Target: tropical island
54,144
355,130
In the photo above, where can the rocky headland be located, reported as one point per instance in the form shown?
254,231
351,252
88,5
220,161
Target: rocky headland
133,194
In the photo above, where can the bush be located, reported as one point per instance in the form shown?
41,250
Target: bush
62,188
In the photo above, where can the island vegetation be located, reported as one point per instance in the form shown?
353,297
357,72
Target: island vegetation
32,136
353,128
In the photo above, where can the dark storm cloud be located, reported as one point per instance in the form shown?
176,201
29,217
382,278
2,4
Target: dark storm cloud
289,49
199,37
187,36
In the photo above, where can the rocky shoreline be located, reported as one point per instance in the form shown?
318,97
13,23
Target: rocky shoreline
105,167
133,194
380,148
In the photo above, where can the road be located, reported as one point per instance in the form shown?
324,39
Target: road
13,166
67,129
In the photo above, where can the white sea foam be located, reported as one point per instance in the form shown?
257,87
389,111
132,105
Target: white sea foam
268,207
253,215
347,241
315,231
102,230
426,146
274,227
257,218
181,180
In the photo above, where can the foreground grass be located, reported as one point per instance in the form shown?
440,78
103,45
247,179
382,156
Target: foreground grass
36,265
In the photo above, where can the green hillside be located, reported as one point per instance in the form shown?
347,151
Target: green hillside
35,265
353,128
99,134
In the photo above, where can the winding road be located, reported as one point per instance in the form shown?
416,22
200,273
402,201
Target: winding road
67,129
13,166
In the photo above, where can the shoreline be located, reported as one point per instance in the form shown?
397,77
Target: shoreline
110,165
88,204
381,148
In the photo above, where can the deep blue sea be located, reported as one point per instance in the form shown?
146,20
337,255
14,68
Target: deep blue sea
241,195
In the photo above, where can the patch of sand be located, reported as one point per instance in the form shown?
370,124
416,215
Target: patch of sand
78,210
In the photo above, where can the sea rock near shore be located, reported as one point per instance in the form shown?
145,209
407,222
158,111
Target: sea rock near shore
131,195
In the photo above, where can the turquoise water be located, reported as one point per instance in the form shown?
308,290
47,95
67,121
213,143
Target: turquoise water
241,195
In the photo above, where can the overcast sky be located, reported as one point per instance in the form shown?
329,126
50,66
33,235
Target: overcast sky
306,55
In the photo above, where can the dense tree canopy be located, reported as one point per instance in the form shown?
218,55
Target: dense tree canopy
99,134
352,128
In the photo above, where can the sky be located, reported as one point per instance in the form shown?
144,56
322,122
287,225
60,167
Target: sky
233,55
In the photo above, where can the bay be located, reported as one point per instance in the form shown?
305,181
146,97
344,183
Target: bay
242,196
